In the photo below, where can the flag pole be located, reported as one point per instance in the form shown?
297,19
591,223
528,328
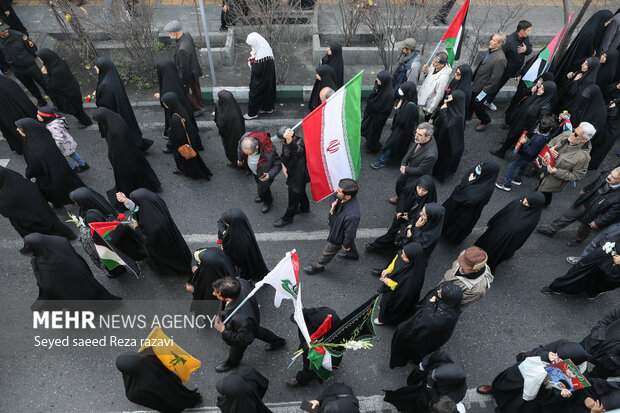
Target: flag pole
433,54
557,47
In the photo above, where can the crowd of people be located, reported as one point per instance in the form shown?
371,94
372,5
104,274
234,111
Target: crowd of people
559,127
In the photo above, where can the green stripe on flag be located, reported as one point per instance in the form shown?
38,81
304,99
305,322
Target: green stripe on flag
450,49
353,121
316,364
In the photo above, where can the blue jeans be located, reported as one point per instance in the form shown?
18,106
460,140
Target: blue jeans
385,157
520,165
77,159
608,234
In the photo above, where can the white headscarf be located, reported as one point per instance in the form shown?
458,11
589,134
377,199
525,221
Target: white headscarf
260,47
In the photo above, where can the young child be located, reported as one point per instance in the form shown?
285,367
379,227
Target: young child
529,150
65,142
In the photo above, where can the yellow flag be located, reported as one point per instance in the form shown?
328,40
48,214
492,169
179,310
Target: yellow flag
170,354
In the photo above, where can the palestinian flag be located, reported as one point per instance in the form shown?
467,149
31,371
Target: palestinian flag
320,359
103,234
455,33
332,135
543,61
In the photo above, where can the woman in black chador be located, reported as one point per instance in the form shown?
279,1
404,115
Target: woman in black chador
462,81
590,107
523,93
377,111
169,81
61,273
239,243
165,244
151,384
262,96
333,58
443,375
16,105
87,199
337,398
208,265
183,132
429,328
130,167
572,89
410,203
403,280
110,93
603,345
62,87
466,202
605,138
425,227
609,71
242,392
54,177
450,135
403,125
325,77
510,228
230,124
25,207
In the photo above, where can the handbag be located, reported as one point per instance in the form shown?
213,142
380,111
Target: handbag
186,150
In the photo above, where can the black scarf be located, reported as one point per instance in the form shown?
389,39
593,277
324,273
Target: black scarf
530,111
15,105
590,108
213,265
336,62
609,71
63,87
328,79
478,191
86,199
242,391
230,123
381,98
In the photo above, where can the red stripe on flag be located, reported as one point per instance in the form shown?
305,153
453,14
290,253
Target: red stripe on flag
295,263
453,29
313,125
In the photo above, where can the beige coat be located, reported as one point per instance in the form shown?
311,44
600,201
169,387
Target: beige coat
572,164
473,290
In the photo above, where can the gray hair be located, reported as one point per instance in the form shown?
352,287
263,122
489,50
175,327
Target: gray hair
428,128
502,37
249,143
442,57
588,130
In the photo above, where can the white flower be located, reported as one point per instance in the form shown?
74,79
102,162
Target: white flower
354,345
609,247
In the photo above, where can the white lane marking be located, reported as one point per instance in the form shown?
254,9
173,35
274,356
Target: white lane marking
4,162
288,235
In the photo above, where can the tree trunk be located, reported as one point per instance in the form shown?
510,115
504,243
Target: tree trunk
571,29
566,4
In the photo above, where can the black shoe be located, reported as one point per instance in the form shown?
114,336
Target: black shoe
223,367
376,272
311,270
167,150
265,208
497,153
594,296
177,172
546,290
84,167
345,256
282,222
573,243
545,231
371,248
275,346
257,199
303,211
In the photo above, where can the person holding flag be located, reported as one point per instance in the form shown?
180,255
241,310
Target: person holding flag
433,88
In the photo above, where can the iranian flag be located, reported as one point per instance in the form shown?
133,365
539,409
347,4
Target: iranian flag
332,135
454,34
543,61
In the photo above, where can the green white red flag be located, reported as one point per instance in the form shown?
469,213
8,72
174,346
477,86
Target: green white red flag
104,234
455,33
332,134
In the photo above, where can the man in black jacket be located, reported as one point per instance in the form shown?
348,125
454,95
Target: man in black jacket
344,217
296,173
419,159
186,61
244,326
516,48
257,151
597,206
603,346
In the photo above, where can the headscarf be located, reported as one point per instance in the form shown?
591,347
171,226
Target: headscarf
260,46
410,93
431,231
47,113
15,105
409,201
338,398
573,351
328,79
530,111
242,391
610,70
213,264
589,77
336,62
463,84
173,103
87,199
478,191
381,98
169,81
60,80
591,108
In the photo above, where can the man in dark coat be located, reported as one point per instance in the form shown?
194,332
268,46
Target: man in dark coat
603,345
419,159
296,173
186,60
516,48
244,326
344,218
486,79
20,53
257,151
597,206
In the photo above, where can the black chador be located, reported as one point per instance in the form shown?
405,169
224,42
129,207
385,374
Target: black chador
590,107
262,95
169,80
523,93
605,138
130,167
15,105
230,124
428,234
450,136
404,122
465,204
239,243
336,62
242,392
338,397
581,80
62,87
327,79
61,273
509,229
183,132
429,328
603,345
211,265
86,199
151,384
464,83
54,177
111,94
165,244
608,72
25,207
377,111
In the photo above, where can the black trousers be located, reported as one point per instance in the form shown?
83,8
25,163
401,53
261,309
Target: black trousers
235,354
297,199
29,75
479,109
263,189
444,10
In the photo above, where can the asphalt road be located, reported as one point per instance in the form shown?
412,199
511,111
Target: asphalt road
513,317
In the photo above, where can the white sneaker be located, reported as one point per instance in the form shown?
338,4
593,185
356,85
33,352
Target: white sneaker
573,260
248,117
491,106
502,187
517,183
377,322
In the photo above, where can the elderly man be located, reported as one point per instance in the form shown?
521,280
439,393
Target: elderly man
408,65
571,151
434,86
325,93
486,79
597,206
471,274
256,150
186,61
419,159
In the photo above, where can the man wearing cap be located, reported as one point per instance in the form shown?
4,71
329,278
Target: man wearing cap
19,52
471,274
435,82
296,173
408,65
186,61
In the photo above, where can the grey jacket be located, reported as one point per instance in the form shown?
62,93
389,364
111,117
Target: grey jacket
572,164
488,73
421,162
